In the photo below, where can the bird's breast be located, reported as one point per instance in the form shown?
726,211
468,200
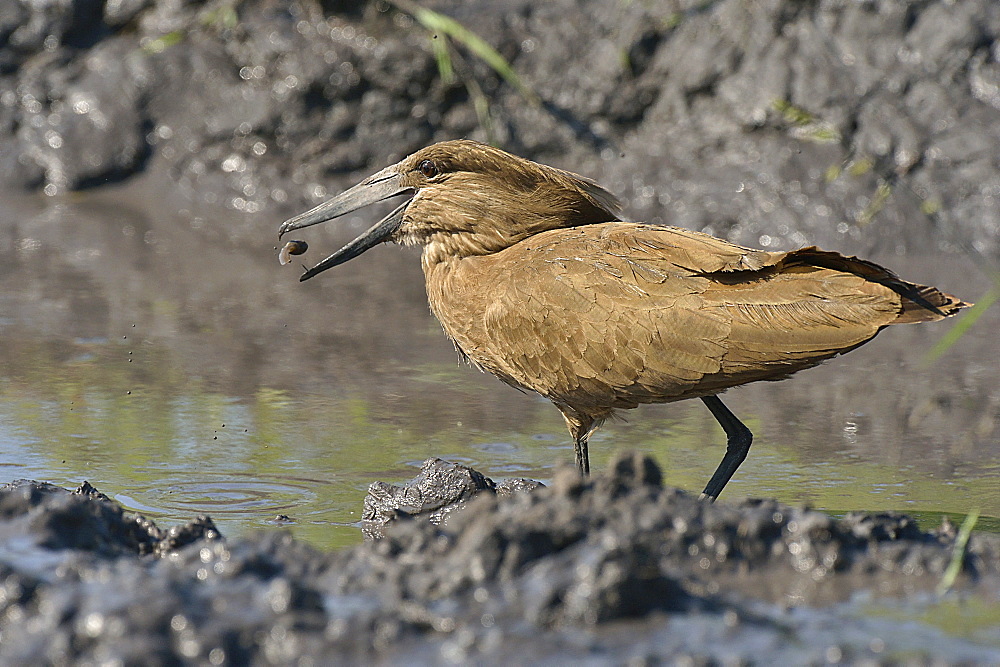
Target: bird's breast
455,292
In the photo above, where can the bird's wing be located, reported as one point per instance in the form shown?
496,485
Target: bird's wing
783,310
617,314
584,323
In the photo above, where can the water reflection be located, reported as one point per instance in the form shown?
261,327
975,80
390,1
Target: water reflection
173,363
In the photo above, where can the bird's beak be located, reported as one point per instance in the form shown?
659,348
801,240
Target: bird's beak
382,185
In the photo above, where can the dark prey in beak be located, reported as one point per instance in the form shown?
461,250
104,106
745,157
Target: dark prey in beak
535,278
382,185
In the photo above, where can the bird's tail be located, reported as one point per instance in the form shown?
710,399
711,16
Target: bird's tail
920,303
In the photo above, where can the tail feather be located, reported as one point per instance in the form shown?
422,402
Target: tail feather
919,303
926,304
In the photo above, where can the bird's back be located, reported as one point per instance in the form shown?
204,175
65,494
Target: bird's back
607,316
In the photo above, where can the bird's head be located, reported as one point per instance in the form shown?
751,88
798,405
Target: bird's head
466,198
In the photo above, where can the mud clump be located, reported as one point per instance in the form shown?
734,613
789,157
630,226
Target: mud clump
613,568
86,520
439,490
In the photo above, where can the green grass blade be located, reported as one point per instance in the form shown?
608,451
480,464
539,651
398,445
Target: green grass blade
882,194
451,28
163,42
963,325
958,554
443,58
482,106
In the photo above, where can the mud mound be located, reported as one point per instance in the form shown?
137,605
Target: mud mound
610,569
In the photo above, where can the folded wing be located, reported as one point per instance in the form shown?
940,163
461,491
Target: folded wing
611,315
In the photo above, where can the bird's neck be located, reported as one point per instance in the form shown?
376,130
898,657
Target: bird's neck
442,248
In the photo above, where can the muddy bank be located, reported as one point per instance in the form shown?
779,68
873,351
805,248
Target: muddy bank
613,569
866,125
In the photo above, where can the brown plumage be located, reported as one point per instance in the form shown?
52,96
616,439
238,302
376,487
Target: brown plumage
535,279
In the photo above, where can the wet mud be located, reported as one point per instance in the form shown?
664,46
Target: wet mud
617,568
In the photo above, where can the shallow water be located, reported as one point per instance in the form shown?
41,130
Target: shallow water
168,359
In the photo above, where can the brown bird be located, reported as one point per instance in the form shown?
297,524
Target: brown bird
536,279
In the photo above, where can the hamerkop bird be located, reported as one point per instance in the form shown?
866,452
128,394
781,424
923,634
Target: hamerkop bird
536,279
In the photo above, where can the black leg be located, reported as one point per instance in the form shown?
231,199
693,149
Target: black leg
582,454
738,442
580,427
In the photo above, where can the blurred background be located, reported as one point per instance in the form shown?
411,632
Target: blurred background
151,344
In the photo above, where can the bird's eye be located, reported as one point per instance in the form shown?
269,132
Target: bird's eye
428,169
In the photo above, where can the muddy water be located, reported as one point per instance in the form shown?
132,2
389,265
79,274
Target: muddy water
166,357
